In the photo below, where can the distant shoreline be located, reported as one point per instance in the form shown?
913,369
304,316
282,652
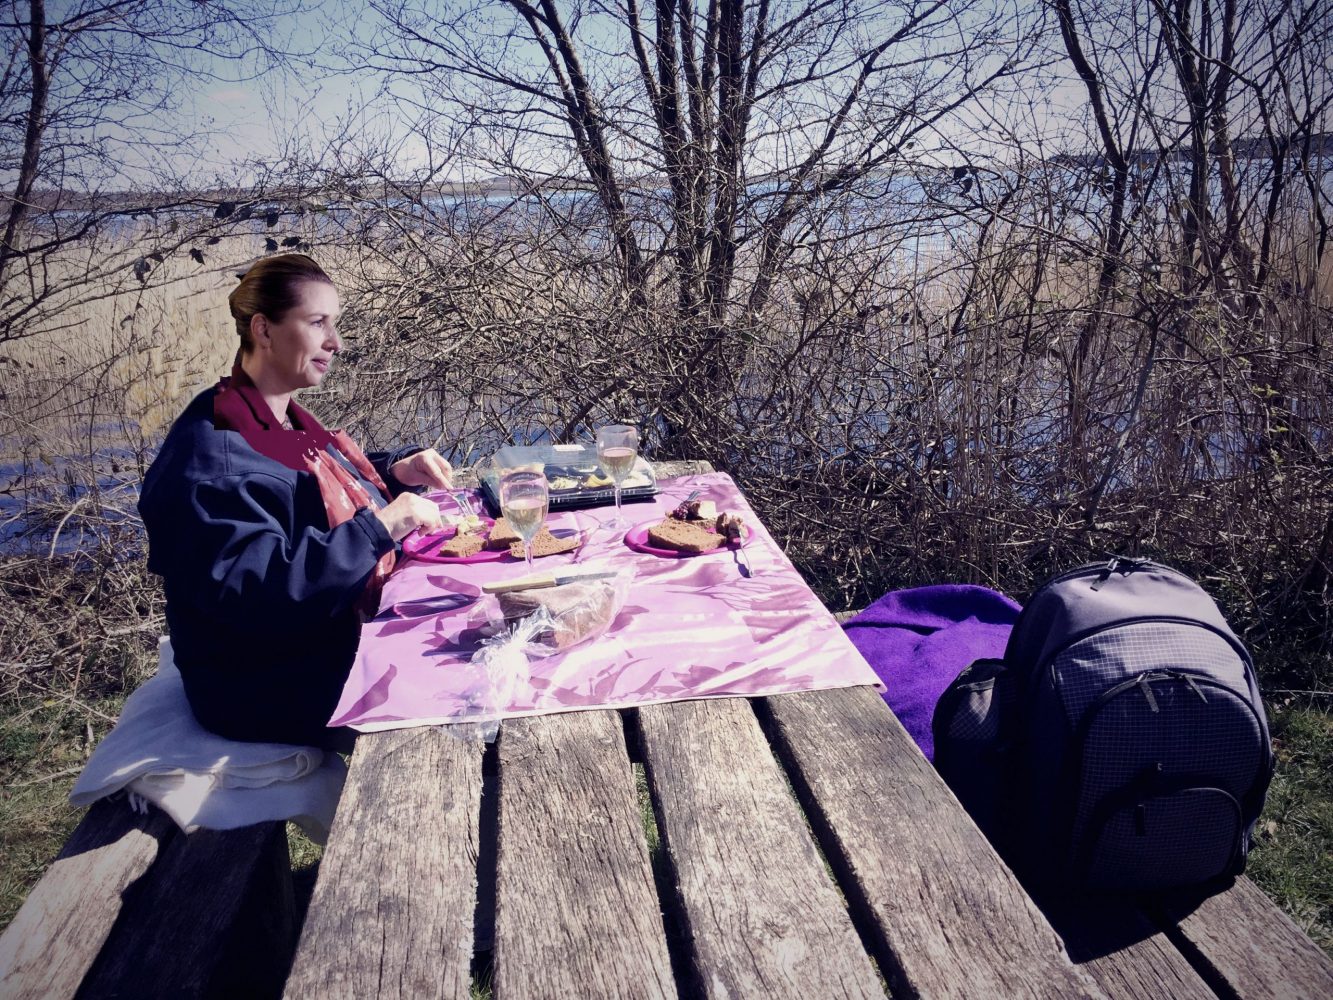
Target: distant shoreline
261,200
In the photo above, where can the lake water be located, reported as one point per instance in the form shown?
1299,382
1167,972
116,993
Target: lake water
34,497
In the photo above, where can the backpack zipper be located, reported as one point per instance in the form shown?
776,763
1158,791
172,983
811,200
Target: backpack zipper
1048,664
1070,780
1113,564
1107,568
1080,734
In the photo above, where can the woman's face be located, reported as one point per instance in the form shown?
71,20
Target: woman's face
297,350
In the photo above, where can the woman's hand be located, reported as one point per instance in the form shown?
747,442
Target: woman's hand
425,468
408,512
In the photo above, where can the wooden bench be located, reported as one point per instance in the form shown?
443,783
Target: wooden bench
134,908
1235,943
782,868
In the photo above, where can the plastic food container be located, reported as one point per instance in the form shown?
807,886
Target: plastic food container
575,477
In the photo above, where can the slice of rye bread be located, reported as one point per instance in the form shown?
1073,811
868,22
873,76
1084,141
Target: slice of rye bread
501,535
578,610
683,536
546,544
462,545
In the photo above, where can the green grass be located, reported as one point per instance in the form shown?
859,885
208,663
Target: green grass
646,815
1293,856
42,748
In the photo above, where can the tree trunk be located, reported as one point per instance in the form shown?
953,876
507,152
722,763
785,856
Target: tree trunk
32,132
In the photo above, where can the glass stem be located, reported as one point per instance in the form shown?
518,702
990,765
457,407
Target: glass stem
617,489
527,554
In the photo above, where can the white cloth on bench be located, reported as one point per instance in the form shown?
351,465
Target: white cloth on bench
203,781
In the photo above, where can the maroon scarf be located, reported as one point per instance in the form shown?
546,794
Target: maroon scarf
239,406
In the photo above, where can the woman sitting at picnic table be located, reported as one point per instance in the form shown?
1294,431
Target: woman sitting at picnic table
272,534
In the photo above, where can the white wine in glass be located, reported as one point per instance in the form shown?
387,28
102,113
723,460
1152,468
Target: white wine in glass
524,497
617,448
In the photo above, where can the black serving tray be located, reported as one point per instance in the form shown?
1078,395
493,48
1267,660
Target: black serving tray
567,468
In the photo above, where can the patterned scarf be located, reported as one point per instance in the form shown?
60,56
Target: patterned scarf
307,447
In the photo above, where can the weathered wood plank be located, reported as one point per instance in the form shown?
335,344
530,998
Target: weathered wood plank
761,915
212,919
576,913
392,911
1241,939
944,914
684,467
54,939
1112,941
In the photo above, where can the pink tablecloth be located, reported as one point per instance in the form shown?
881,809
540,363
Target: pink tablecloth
691,628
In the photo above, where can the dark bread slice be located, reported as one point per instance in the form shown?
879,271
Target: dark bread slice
462,545
577,609
546,544
683,536
501,535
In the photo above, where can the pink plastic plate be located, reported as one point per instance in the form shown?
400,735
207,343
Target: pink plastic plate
637,539
426,547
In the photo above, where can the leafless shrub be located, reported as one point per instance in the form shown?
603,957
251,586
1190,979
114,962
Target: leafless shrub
980,366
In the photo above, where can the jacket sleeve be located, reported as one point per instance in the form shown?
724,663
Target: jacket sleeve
249,560
383,461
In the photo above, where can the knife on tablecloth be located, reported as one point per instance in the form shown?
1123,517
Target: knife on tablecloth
541,580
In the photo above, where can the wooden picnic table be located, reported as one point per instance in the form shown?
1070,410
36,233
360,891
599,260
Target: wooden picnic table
805,849
796,846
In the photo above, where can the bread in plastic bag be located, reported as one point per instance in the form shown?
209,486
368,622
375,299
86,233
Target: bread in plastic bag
532,624
578,611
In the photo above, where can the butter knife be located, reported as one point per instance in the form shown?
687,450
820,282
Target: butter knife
540,581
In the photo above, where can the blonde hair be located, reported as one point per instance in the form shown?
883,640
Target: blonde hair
270,288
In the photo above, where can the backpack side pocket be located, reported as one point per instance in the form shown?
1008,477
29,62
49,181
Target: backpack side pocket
973,728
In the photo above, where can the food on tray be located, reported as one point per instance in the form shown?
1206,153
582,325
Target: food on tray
578,610
683,536
564,483
545,544
595,481
635,479
695,510
462,545
502,535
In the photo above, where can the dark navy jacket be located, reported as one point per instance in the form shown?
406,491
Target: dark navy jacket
259,589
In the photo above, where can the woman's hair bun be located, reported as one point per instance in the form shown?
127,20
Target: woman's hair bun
269,288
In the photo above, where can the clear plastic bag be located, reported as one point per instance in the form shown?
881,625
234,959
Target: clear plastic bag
575,612
534,624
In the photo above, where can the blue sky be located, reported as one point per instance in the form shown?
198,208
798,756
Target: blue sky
260,117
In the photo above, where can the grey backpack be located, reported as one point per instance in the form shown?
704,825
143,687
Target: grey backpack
1121,743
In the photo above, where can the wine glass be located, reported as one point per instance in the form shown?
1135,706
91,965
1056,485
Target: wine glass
617,447
523,501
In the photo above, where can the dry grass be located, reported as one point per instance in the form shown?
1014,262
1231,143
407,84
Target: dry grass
114,374
894,421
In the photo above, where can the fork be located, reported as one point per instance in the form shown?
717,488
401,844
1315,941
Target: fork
742,560
464,504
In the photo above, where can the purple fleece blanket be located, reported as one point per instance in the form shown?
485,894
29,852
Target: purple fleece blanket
919,640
